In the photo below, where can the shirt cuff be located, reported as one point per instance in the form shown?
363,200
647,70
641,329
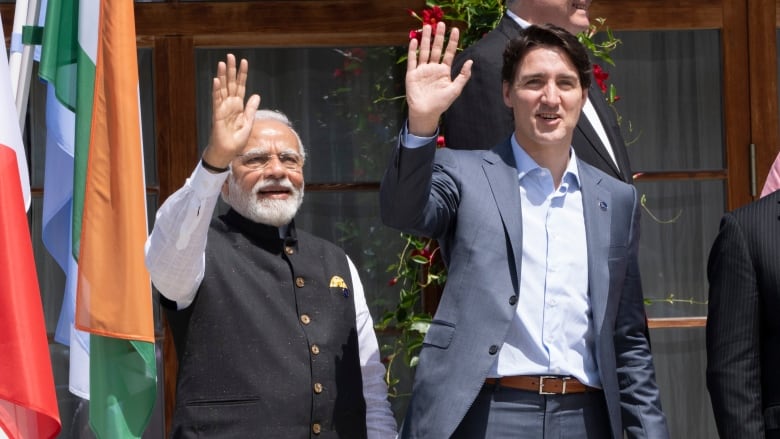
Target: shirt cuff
411,141
206,184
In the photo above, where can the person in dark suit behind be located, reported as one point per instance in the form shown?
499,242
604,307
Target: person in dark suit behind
478,119
743,328
540,331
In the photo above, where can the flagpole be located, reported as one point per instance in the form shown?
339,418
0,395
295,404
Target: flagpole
15,57
22,77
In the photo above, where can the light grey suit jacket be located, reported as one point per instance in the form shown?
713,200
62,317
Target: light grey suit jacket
470,202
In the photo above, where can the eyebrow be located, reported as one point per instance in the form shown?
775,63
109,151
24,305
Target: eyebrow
544,75
264,151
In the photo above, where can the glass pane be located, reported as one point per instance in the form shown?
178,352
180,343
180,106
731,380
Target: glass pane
332,95
669,83
678,226
35,129
680,361
146,90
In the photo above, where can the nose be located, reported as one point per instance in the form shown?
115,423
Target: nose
551,94
275,168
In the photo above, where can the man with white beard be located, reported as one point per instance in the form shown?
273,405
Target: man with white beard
271,327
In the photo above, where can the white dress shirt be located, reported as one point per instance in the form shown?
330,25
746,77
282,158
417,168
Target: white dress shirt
175,257
551,332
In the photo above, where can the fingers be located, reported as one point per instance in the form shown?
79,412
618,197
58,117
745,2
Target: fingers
251,107
463,77
425,45
243,72
221,79
431,47
411,55
452,46
216,93
231,74
438,42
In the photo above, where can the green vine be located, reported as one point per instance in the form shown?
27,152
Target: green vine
419,268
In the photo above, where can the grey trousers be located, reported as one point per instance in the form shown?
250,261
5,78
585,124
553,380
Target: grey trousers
501,412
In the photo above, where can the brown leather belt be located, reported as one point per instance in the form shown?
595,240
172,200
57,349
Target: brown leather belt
544,385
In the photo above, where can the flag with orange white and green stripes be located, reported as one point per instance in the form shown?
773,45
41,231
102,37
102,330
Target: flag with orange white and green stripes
89,56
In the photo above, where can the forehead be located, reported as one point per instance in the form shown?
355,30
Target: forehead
546,60
272,136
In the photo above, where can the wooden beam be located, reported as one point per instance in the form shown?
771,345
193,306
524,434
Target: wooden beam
279,22
174,106
764,125
736,102
659,14
677,322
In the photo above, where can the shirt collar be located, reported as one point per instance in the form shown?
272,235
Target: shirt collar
524,24
526,164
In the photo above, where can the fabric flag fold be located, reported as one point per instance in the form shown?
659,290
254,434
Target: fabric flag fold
10,134
89,58
28,400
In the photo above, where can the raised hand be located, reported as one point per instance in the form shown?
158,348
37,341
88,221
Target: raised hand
231,120
430,90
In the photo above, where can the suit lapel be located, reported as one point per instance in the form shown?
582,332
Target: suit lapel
501,173
609,122
587,130
596,205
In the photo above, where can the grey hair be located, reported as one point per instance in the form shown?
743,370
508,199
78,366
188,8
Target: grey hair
278,116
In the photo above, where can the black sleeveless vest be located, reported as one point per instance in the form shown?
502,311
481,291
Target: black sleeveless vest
269,348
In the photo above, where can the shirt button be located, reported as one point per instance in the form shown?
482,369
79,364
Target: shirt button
289,250
493,349
315,349
316,428
299,282
317,388
305,319
512,300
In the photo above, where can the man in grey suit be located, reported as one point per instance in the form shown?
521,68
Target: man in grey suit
478,119
540,331
743,328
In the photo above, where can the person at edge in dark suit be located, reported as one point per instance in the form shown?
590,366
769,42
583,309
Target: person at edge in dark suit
743,328
540,331
271,327
478,119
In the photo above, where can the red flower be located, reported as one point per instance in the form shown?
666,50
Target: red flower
440,142
432,15
392,281
601,77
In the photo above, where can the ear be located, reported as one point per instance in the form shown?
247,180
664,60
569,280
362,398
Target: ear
584,97
506,88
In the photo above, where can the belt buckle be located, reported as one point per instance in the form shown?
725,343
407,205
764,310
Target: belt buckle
546,377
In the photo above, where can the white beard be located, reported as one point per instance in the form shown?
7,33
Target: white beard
271,212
